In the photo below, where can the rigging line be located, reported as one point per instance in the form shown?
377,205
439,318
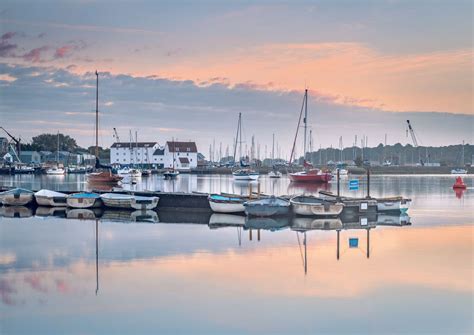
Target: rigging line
297,129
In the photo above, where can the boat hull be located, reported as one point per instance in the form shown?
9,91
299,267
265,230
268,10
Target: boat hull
267,207
310,178
129,201
84,200
103,178
223,204
16,197
51,198
308,207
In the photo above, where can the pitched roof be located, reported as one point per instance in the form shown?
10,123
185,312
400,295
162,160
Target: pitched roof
182,146
159,152
183,160
133,144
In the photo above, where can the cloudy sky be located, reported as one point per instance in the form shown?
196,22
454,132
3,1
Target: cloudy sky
185,69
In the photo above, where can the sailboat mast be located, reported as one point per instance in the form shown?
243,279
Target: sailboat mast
273,149
57,152
97,115
240,135
305,121
237,137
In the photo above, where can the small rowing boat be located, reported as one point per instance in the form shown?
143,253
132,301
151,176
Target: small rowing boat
129,201
50,198
84,200
267,207
16,197
226,204
309,206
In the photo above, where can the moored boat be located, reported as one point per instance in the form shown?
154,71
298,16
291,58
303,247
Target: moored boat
50,198
84,200
55,171
129,201
16,197
311,176
135,173
393,204
310,206
103,177
458,171
245,174
171,174
226,204
267,207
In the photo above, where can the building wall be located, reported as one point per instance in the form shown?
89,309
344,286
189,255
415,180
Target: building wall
191,156
127,156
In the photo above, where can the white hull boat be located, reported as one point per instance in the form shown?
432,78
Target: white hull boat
312,206
84,200
129,201
55,171
458,171
16,197
51,198
135,173
393,204
225,204
245,174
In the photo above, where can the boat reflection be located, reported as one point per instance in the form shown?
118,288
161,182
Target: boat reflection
459,192
267,223
125,216
44,211
218,220
84,213
312,188
16,212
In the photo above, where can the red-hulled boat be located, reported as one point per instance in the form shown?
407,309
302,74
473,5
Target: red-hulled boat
310,175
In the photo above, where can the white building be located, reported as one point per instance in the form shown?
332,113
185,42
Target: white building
183,154
125,153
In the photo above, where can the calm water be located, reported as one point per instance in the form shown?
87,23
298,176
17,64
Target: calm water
61,276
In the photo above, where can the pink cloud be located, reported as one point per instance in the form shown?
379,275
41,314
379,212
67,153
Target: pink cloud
68,49
34,55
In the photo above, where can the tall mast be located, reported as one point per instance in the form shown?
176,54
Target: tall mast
305,121
97,115
57,152
240,135
237,138
273,149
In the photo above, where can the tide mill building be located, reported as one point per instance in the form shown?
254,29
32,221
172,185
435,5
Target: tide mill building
151,154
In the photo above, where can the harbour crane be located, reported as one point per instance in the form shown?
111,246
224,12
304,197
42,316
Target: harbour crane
116,135
17,141
413,138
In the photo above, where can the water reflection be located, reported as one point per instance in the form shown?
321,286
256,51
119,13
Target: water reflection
94,273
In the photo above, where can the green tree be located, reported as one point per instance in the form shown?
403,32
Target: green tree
49,142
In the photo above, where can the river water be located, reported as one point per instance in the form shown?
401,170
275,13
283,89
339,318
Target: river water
182,275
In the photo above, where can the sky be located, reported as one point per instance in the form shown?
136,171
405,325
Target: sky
186,69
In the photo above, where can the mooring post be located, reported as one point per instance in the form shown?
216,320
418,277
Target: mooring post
338,232
368,242
258,190
258,234
250,190
338,186
250,234
368,183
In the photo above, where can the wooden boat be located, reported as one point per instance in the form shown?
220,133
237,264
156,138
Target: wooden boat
84,200
309,205
245,174
16,197
103,177
226,204
50,198
129,201
16,212
101,174
267,207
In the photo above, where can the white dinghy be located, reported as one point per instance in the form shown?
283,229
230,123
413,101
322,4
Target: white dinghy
84,200
51,198
16,197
